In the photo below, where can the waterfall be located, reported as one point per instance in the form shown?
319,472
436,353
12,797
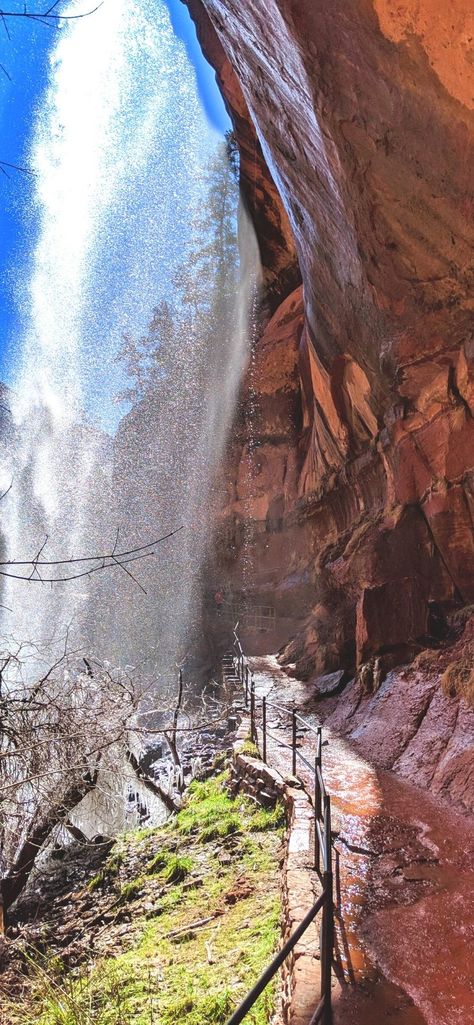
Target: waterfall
119,146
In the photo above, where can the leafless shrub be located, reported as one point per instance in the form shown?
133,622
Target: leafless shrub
59,733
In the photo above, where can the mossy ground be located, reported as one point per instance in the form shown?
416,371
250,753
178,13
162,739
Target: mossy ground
249,748
204,909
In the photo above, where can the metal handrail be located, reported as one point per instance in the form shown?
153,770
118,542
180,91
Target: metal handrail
322,842
270,972
289,747
291,711
279,708
320,781
309,726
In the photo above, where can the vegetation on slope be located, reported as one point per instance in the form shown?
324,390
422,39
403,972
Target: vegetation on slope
201,895
458,679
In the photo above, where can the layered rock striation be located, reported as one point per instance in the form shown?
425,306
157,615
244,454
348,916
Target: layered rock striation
350,476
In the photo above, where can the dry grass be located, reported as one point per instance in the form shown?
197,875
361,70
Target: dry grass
458,678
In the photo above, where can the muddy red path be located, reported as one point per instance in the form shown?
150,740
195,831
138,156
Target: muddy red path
404,881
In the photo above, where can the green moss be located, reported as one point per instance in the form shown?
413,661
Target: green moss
96,882
205,945
106,874
220,761
173,867
132,889
177,868
158,863
209,810
229,825
264,819
250,749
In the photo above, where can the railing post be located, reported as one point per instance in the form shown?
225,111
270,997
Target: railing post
319,749
252,711
327,925
322,857
317,816
264,729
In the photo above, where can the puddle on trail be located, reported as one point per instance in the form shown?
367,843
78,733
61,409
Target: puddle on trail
404,884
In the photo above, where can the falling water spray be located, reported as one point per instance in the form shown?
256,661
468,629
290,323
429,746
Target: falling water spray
119,144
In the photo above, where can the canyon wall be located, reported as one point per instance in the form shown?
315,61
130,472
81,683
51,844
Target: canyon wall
350,475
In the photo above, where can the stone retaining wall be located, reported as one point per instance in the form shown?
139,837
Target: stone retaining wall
300,883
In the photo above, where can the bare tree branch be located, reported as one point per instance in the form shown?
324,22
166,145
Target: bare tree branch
171,737
48,17
59,735
64,734
87,564
14,167
5,493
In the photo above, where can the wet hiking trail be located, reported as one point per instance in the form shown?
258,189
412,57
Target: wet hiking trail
404,879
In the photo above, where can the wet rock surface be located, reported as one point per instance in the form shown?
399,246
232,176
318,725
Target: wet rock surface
414,725
404,881
198,753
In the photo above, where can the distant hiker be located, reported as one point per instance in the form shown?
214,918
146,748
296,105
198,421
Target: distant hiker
219,600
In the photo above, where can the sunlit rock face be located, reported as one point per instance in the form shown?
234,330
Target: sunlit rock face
363,441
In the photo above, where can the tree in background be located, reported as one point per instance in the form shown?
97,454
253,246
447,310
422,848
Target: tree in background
148,360
205,287
206,281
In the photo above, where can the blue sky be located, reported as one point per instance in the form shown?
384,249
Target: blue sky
209,93
25,57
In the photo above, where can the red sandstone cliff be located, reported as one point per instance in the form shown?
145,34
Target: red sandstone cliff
350,474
